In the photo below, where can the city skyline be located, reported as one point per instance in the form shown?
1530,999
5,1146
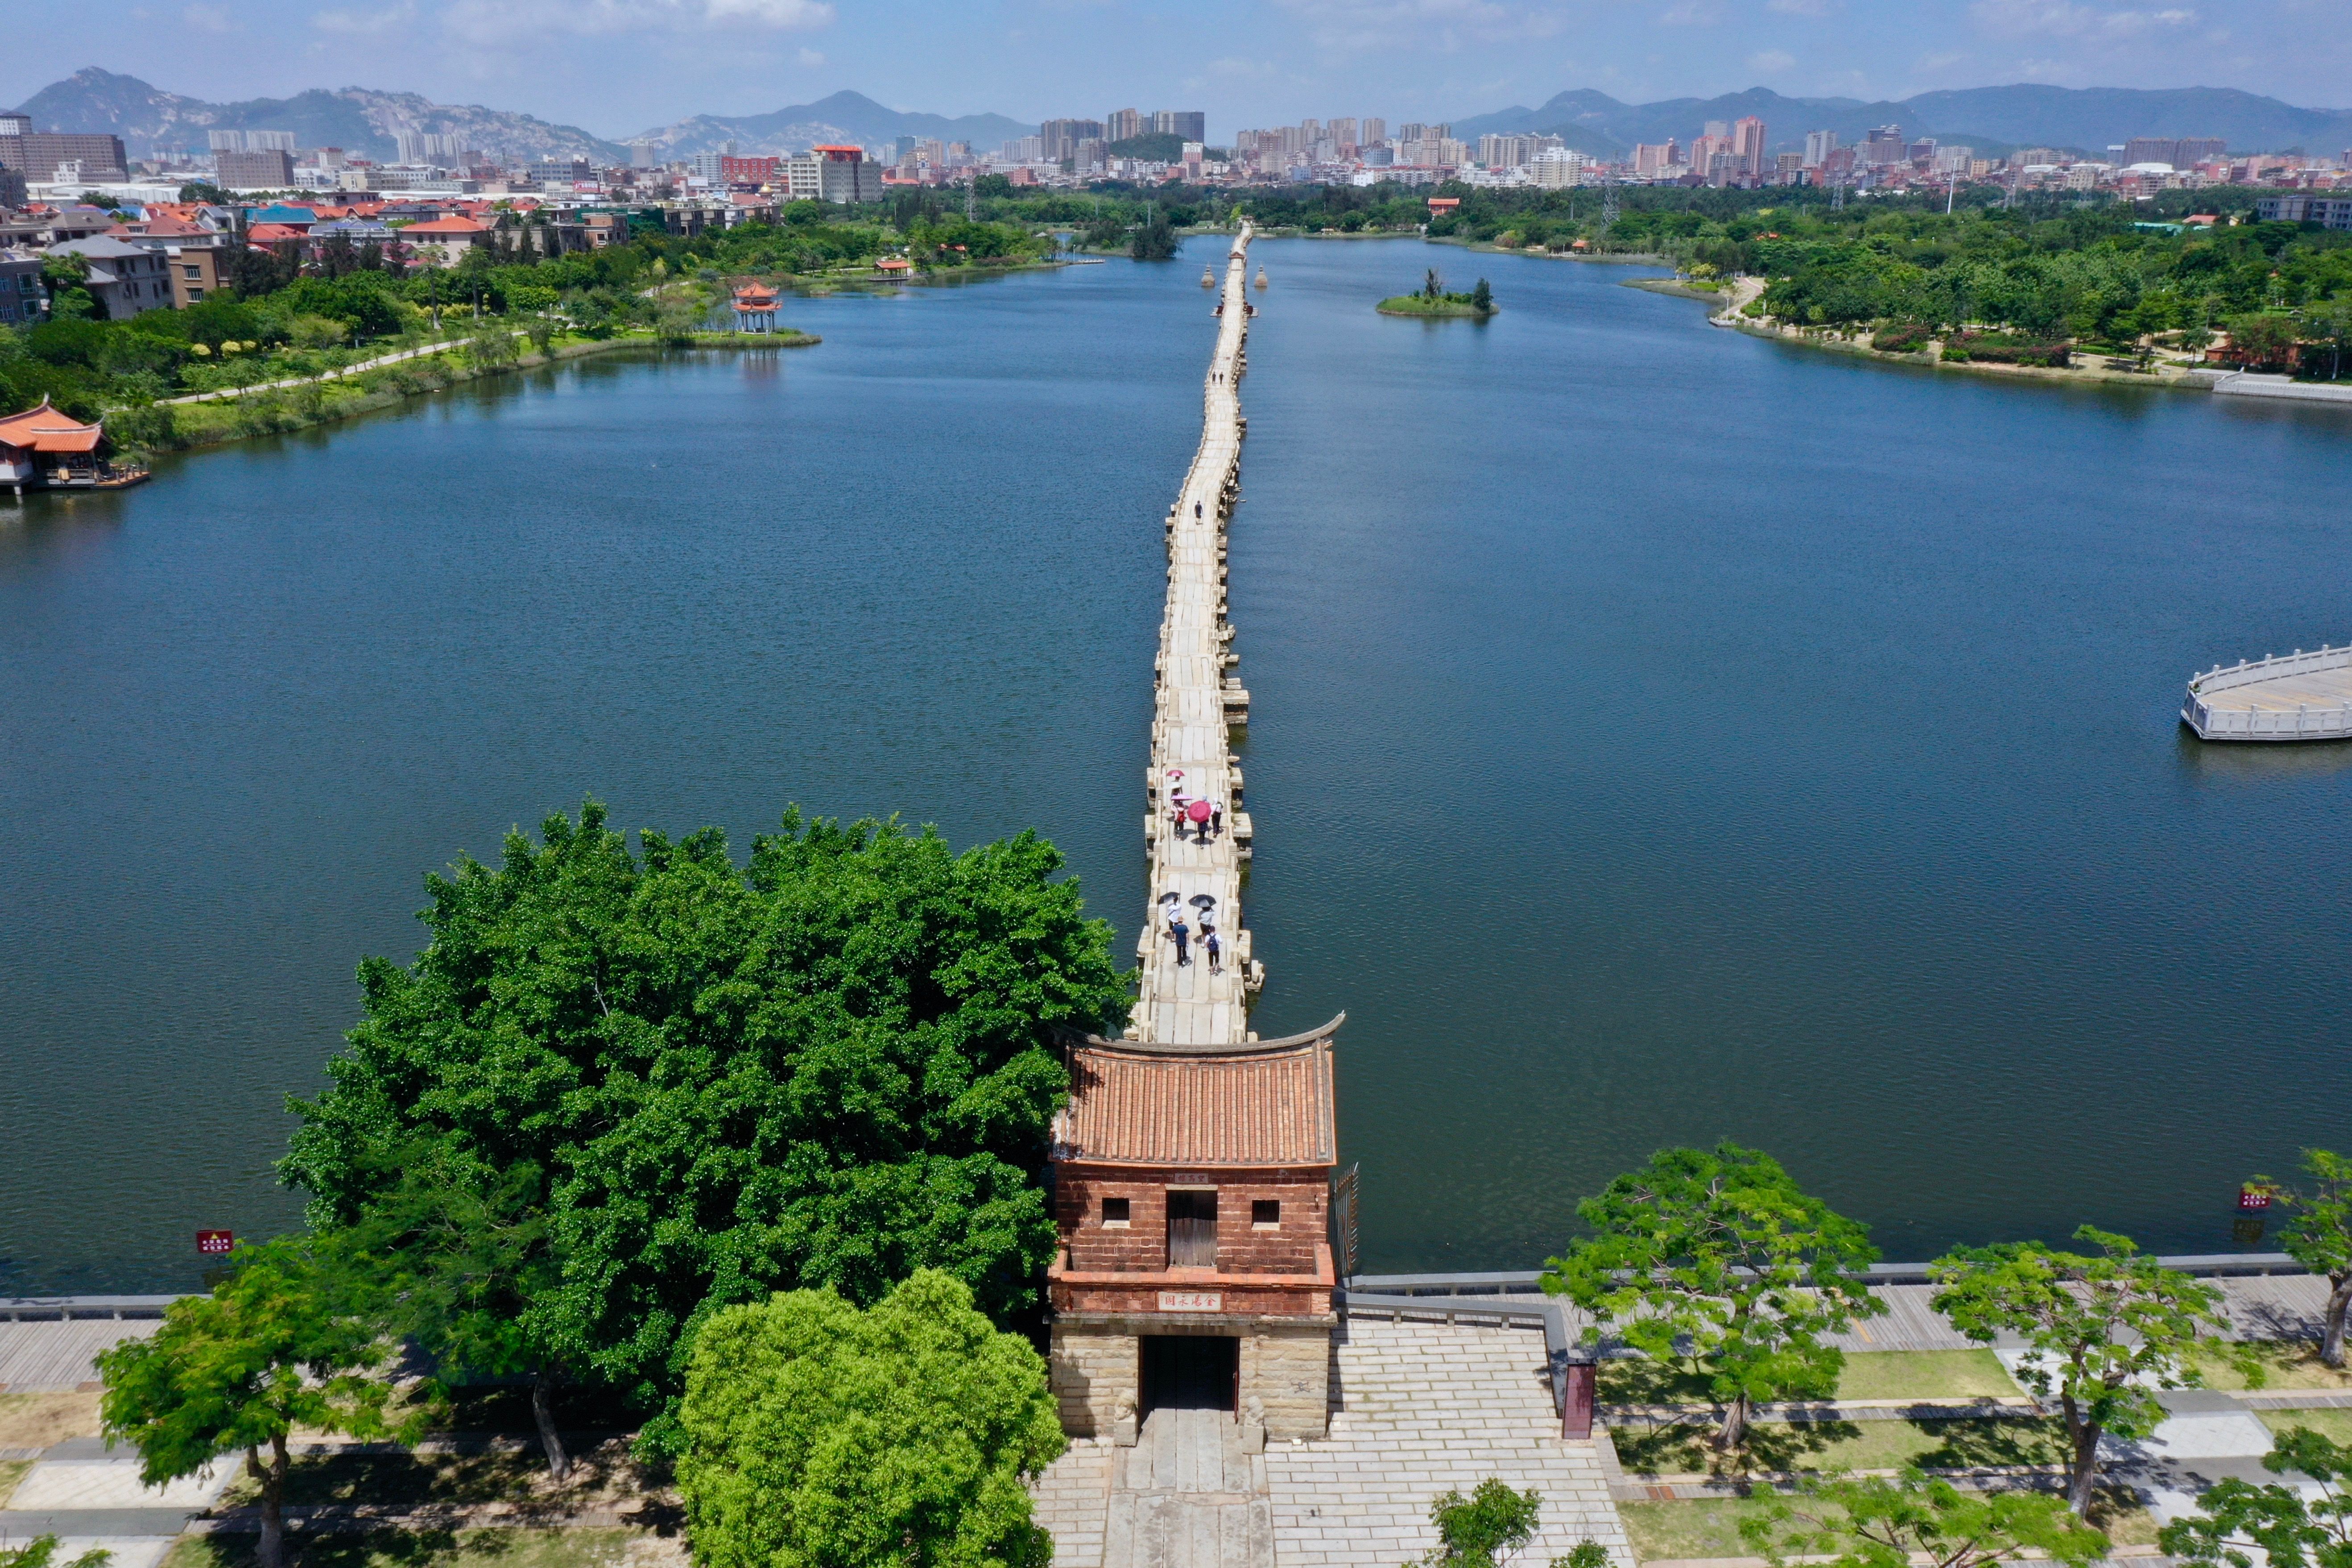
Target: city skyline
621,67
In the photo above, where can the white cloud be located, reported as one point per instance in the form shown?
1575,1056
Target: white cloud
364,23
207,19
2065,19
1798,7
811,58
507,21
1691,14
1418,24
1772,61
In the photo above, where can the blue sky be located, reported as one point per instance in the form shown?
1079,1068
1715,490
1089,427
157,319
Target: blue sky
617,67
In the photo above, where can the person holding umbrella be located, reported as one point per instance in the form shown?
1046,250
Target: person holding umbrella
1199,812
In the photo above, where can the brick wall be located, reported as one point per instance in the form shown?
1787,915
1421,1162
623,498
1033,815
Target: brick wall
1141,1246
1284,1365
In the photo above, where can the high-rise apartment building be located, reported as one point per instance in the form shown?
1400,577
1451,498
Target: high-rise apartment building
35,154
1748,146
1718,129
1061,137
1819,146
1343,134
1882,147
833,174
2184,153
270,169
1412,131
1123,125
1655,160
1373,131
1189,124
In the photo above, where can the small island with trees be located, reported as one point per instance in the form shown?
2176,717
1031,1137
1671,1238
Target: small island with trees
1433,301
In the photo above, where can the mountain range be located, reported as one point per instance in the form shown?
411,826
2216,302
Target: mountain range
363,121
1992,119
847,117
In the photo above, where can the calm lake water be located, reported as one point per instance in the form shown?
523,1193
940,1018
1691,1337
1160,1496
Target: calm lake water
1661,735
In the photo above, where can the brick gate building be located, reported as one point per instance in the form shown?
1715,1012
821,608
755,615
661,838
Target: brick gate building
1191,1185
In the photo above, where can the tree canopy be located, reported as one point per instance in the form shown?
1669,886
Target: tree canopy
2320,1238
1876,1521
1718,1255
277,1345
2104,1329
816,1434
832,1067
2241,1524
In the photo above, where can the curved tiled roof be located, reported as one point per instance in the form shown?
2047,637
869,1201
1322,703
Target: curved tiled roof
42,429
1256,1105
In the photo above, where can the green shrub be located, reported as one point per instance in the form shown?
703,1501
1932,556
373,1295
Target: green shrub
902,1434
1902,338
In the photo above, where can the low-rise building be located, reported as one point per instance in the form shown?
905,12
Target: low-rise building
445,240
124,280
2334,211
22,299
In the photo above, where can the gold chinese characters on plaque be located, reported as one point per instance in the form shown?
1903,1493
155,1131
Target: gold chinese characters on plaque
1191,1302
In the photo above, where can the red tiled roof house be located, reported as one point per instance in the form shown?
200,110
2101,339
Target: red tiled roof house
1192,1187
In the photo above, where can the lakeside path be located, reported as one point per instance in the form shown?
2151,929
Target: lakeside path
1195,707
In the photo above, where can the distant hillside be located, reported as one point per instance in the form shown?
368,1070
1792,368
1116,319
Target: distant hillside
1993,117
357,120
845,117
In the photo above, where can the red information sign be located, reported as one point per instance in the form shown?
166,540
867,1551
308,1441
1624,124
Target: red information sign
212,1241
2253,1197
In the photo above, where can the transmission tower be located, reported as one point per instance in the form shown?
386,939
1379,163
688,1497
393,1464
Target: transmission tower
1608,204
972,198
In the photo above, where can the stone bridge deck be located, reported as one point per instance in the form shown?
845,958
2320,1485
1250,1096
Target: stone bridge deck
1198,706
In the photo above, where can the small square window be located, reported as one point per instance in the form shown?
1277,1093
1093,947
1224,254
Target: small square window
1114,1211
1266,1213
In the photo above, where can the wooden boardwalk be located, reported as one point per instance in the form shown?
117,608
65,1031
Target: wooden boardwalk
1198,705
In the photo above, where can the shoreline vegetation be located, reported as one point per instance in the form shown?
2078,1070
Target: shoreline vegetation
1432,300
1734,303
242,414
1414,305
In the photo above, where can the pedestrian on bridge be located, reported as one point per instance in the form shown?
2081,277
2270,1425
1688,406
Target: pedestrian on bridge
1199,812
1209,941
1183,935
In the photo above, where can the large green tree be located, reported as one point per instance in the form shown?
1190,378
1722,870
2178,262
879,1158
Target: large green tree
277,1344
456,1256
2106,1330
819,1436
1877,1521
2241,1524
1718,1255
832,1067
2320,1238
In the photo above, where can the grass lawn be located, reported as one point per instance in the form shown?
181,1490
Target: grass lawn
2335,1425
38,1420
1873,1375
1824,1446
1710,1527
1924,1374
435,1549
2285,1363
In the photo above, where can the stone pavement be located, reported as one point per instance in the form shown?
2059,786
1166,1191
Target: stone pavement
1418,1409
88,1497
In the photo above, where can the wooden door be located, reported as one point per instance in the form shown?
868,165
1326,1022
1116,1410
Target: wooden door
1191,1230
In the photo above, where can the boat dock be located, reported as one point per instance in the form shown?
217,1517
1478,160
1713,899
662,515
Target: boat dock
2288,697
1198,706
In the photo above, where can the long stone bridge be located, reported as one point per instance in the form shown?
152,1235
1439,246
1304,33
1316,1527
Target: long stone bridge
1199,705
